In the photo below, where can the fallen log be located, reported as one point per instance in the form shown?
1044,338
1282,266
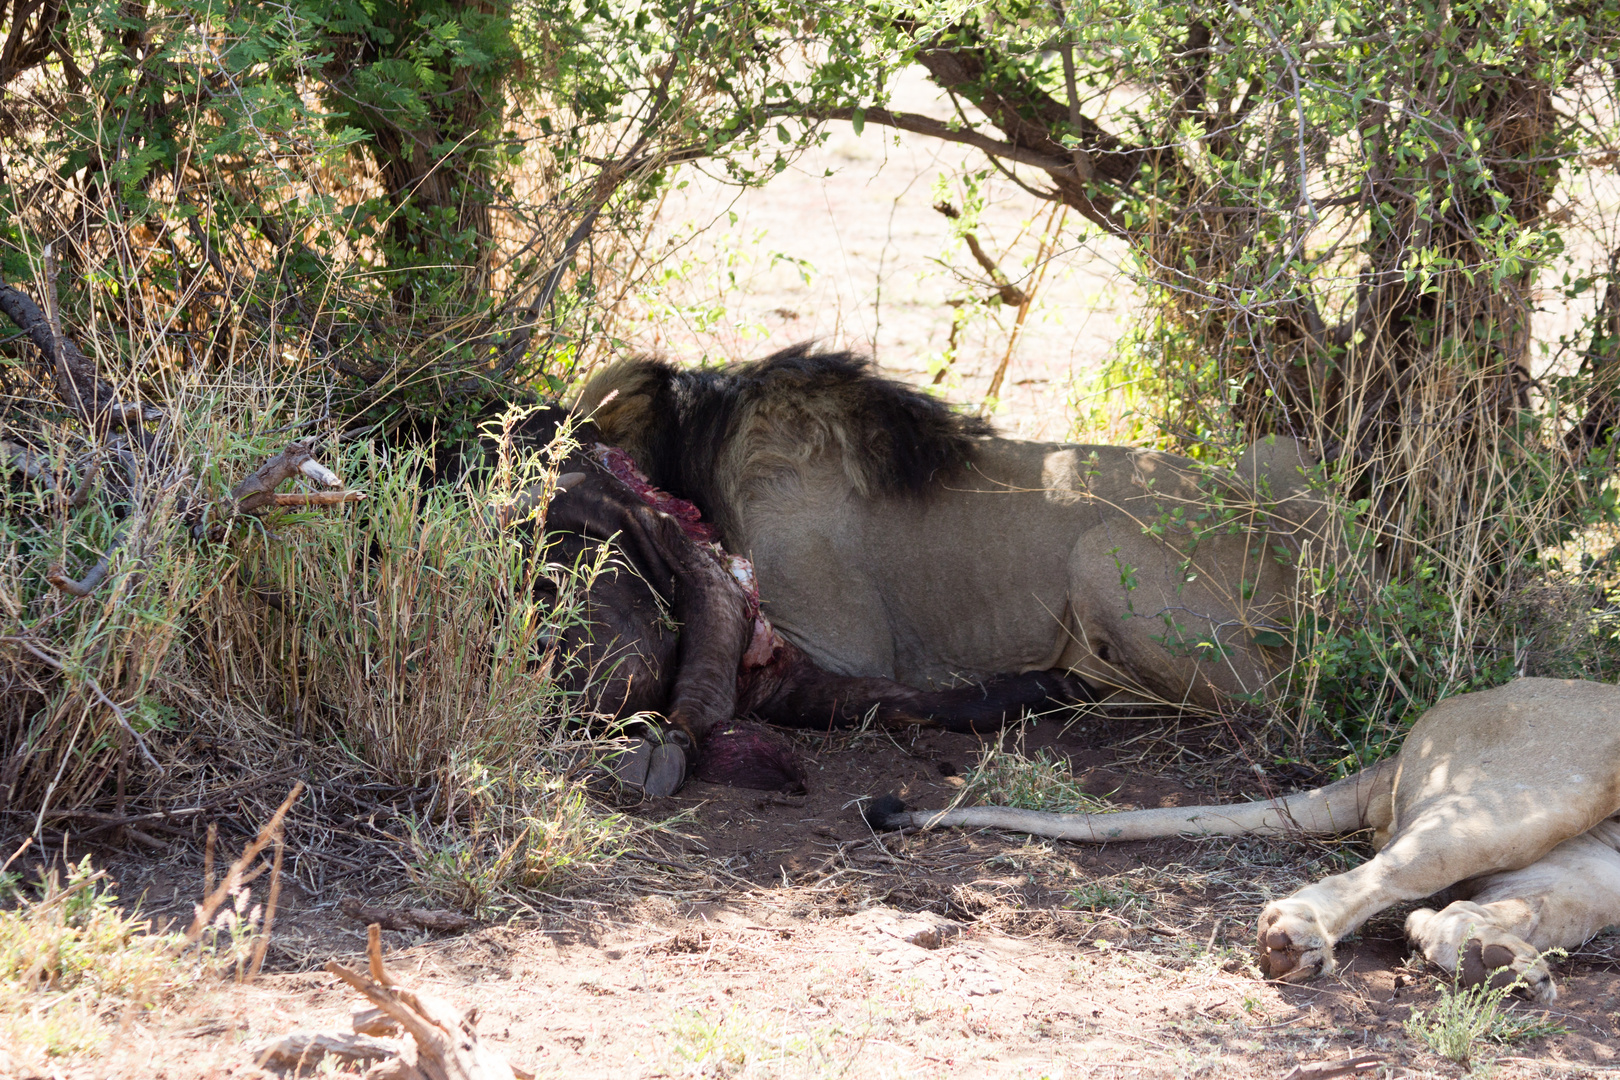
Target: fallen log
447,922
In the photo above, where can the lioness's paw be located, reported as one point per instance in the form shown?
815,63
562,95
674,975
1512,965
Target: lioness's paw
1293,945
1487,954
1503,959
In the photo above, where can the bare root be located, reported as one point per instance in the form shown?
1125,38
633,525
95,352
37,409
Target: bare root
447,1045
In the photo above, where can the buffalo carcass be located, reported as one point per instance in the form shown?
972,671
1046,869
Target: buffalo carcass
671,630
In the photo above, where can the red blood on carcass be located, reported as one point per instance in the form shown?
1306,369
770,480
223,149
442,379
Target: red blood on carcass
748,755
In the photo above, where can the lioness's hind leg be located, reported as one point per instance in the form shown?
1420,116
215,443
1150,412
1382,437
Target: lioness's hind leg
1297,934
1511,918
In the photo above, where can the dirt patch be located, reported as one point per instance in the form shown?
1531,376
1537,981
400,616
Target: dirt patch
782,938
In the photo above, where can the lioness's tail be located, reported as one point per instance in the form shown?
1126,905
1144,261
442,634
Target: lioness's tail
1340,807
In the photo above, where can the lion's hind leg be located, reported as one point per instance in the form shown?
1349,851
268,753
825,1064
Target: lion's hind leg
1511,918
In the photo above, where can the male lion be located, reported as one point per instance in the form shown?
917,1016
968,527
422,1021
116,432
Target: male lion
895,538
667,628
1509,797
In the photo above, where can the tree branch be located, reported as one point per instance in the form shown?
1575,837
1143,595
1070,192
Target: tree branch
938,129
73,373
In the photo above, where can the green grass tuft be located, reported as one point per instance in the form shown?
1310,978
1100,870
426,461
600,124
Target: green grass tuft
1466,1018
1009,777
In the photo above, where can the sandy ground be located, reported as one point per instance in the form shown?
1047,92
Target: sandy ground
780,938
845,248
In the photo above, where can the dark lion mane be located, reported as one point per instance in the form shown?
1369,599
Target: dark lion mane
680,422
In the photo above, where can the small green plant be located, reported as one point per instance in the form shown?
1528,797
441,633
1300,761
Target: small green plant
1116,894
72,936
70,956
746,1045
1467,1017
513,835
1010,777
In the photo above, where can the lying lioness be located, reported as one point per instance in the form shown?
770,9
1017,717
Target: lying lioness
1509,797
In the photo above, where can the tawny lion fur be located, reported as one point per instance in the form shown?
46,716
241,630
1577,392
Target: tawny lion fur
1510,798
893,537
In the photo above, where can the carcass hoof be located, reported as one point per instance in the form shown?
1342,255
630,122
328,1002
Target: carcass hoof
655,764
666,771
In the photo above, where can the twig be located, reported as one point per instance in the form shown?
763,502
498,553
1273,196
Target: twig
374,960
1320,1070
257,491
15,855
1054,226
205,910
1010,294
406,918
263,944
105,820
1299,106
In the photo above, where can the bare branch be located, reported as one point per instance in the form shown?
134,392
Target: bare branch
73,373
258,487
57,574
320,473
81,493
316,498
447,1044
938,129
258,490
95,688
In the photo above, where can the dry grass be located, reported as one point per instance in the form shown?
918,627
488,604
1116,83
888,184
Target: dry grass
1006,776
71,959
418,632
512,836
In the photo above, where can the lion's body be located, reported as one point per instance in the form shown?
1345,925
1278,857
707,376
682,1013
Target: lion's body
1509,797
893,538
